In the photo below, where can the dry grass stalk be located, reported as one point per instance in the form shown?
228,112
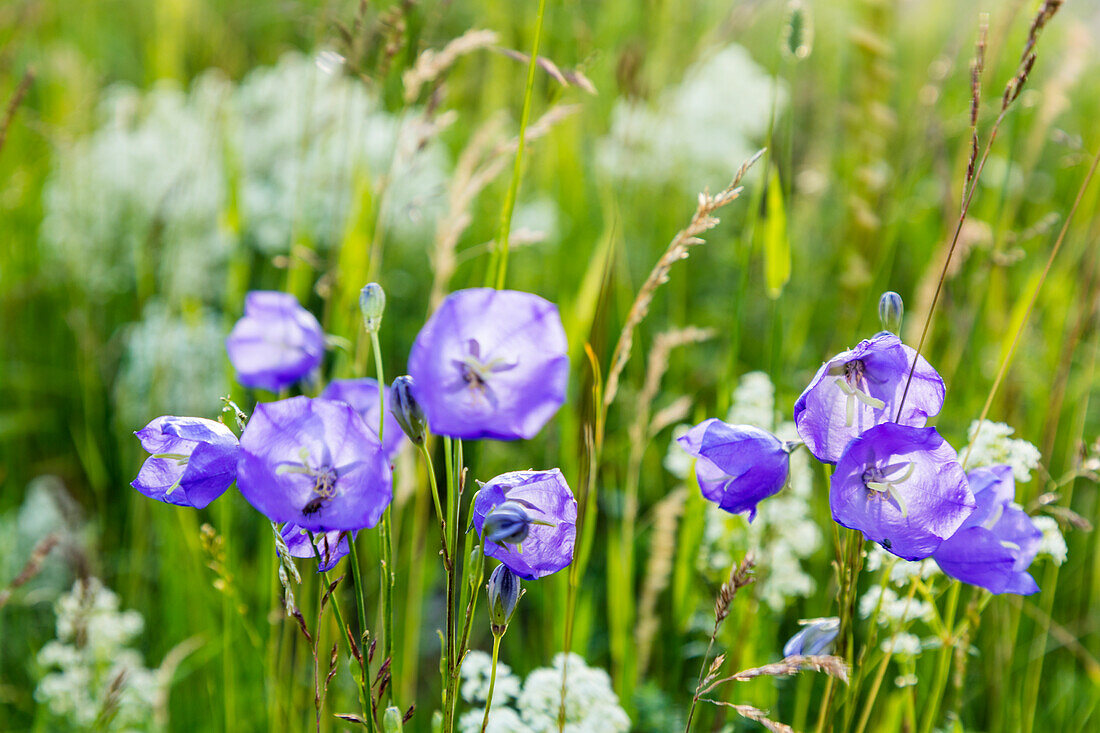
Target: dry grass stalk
740,576
33,566
701,222
756,714
662,548
830,665
977,65
479,164
13,104
677,411
566,77
430,64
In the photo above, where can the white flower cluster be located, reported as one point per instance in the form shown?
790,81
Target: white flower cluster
783,533
902,644
894,611
698,132
902,571
590,704
172,365
160,192
1053,543
995,446
96,681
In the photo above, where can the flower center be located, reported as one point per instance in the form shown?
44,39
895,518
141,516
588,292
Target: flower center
885,481
851,379
476,372
324,480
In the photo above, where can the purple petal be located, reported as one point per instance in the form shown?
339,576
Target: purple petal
362,394
737,466
289,444
519,339
328,547
821,412
547,498
207,465
936,497
276,343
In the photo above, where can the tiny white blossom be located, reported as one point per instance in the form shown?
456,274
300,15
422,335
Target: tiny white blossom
902,644
994,445
1053,543
893,610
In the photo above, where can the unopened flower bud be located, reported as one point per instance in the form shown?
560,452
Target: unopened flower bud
392,721
890,311
407,410
504,592
372,303
508,523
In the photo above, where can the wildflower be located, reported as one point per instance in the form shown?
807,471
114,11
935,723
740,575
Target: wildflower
552,512
995,545
817,636
737,465
362,394
862,387
892,610
406,410
903,488
992,444
1053,543
315,463
193,460
276,343
328,547
508,523
490,364
477,667
902,644
590,702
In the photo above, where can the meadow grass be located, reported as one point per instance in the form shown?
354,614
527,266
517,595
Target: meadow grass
867,142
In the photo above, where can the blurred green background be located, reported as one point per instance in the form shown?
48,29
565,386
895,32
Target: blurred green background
170,156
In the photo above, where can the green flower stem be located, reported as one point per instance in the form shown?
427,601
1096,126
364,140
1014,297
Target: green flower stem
492,678
450,646
357,579
943,663
385,539
344,632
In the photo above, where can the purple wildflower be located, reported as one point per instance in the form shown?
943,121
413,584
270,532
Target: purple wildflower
328,547
315,463
276,343
737,466
817,636
551,510
860,388
490,364
362,394
995,545
903,488
193,461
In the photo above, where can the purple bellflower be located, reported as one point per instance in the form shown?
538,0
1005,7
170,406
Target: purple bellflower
737,466
276,343
328,547
995,545
315,463
817,636
193,460
903,488
860,388
362,394
490,364
545,544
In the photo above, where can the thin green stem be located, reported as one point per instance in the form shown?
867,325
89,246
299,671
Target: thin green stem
492,679
513,188
385,539
357,579
943,663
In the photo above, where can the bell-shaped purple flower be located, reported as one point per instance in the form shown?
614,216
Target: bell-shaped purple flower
276,343
817,636
995,545
193,460
551,527
362,394
315,463
903,488
490,364
737,466
862,387
328,547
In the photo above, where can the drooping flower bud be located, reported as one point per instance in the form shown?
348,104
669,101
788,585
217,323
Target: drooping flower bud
890,311
372,303
504,592
509,523
407,410
817,636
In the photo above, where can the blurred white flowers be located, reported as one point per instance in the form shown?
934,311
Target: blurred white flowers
94,680
590,704
995,446
698,132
